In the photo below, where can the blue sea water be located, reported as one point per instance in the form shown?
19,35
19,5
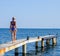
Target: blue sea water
5,36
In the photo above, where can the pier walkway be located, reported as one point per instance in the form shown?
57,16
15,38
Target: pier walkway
23,42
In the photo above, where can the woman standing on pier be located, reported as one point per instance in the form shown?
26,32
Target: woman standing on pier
13,29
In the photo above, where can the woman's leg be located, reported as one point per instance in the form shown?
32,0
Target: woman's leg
14,35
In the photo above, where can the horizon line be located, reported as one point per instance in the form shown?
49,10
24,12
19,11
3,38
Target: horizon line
33,28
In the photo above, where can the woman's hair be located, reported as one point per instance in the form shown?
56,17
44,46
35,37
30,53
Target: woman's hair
13,18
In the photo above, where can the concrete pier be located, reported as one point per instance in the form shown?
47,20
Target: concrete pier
54,41
23,42
16,52
24,50
42,43
48,42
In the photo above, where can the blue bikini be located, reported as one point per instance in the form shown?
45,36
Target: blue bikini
13,24
12,28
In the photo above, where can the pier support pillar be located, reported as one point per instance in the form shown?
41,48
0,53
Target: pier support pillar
42,43
27,37
48,42
54,41
16,51
36,46
24,49
42,49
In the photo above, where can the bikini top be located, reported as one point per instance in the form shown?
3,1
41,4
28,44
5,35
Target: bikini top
12,23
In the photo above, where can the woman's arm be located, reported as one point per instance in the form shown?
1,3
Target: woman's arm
15,26
10,24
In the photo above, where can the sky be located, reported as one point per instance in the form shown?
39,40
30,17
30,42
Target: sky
30,13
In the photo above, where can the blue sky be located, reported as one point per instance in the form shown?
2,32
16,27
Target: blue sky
30,13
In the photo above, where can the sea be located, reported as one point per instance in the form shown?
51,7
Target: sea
22,33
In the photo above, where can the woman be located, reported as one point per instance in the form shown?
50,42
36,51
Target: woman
13,28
